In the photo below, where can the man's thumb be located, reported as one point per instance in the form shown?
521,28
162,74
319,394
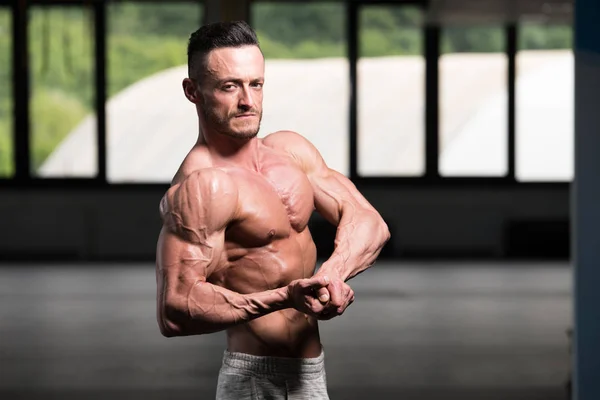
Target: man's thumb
323,295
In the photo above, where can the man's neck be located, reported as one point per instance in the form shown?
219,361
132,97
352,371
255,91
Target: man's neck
230,150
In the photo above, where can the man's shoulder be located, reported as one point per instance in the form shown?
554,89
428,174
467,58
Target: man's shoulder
206,180
198,158
294,144
286,140
207,194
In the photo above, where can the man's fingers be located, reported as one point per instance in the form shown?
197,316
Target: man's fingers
331,310
349,300
326,298
314,305
323,295
316,282
351,295
336,293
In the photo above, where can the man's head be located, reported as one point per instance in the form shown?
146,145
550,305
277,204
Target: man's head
226,75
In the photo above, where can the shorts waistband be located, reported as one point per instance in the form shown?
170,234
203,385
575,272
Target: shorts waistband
274,365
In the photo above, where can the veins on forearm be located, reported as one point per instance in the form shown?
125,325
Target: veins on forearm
217,305
209,303
357,241
345,232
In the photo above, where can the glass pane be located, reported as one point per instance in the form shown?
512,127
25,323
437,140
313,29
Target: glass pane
473,102
150,124
391,92
62,120
306,75
7,164
544,103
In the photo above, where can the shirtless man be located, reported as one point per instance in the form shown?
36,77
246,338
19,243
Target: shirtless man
235,252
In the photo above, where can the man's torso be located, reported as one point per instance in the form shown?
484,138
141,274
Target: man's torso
267,247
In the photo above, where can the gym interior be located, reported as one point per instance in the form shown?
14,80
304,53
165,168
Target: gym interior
471,127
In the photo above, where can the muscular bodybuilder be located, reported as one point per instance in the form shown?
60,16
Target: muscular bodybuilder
235,252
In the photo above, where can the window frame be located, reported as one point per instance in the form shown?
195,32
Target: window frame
22,178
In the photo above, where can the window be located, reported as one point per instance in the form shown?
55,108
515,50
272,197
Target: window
391,92
473,133
544,103
6,110
63,128
306,74
150,124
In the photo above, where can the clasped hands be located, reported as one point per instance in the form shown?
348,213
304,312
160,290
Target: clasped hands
323,296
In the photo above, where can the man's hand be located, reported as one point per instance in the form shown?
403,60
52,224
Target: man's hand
303,294
336,296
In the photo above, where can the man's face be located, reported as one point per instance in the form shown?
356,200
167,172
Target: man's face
232,91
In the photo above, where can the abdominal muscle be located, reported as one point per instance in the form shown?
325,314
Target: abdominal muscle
284,333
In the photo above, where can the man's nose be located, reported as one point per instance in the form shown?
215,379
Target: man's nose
246,100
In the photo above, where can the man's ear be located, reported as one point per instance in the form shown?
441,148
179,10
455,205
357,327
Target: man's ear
191,91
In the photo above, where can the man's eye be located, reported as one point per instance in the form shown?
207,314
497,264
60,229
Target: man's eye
228,87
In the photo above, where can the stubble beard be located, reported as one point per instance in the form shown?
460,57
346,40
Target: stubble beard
222,125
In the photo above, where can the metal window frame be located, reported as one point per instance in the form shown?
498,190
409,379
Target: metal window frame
22,177
21,88
431,177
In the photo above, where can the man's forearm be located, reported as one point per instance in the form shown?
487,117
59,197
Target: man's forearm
360,236
209,308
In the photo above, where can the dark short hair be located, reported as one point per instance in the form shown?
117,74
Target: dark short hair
215,36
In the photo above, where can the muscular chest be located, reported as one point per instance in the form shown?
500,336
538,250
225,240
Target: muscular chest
273,202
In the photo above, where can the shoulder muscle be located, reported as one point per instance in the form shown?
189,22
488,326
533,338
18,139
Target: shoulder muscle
200,205
300,148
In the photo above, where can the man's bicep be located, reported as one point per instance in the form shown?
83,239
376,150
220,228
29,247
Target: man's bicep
352,190
180,266
185,261
332,190
334,193
195,215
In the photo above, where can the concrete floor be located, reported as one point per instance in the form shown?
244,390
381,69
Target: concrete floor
417,331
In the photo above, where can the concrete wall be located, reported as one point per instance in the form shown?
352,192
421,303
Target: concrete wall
123,222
